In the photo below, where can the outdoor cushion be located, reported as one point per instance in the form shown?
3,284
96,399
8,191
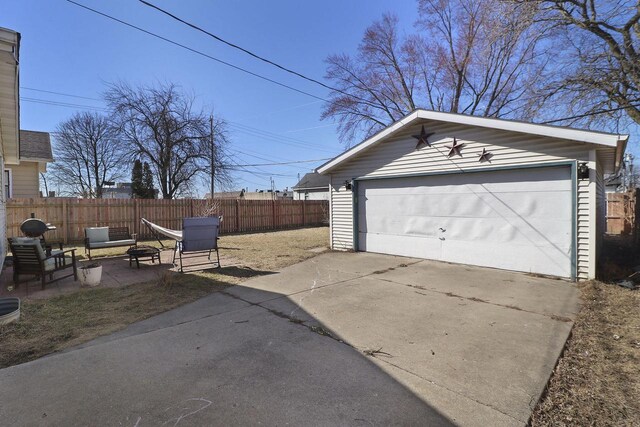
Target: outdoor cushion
30,241
50,264
97,234
111,243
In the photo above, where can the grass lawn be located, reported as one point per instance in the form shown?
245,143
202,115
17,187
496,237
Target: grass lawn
50,325
597,380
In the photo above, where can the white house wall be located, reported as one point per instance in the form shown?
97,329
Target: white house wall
398,156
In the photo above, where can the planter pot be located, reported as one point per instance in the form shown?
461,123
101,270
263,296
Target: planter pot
90,275
9,310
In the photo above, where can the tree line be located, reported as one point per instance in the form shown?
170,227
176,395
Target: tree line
153,134
531,60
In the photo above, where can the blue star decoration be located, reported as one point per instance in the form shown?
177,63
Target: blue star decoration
485,156
454,148
423,138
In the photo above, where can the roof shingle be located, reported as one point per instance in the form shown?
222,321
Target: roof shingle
35,145
312,180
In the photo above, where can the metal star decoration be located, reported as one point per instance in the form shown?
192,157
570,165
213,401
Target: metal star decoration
423,138
454,148
485,156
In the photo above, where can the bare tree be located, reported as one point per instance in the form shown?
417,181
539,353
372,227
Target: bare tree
482,57
87,154
163,127
598,57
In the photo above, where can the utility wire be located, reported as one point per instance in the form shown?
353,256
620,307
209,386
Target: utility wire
248,52
60,103
593,113
285,163
196,51
60,93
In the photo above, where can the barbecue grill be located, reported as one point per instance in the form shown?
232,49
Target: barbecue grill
34,227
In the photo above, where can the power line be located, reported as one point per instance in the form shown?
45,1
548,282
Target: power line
195,50
286,163
59,93
60,103
248,52
277,138
593,113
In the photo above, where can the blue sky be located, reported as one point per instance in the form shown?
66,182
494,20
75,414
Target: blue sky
70,50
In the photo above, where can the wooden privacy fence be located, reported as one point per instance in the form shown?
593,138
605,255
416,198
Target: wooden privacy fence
621,212
71,216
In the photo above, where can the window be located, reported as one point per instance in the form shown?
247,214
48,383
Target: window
8,184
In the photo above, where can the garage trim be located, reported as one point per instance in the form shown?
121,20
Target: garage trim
574,197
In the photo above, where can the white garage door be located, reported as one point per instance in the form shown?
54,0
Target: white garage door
516,220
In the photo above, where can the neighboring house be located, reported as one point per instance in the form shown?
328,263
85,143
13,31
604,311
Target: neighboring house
476,190
312,186
23,179
9,119
227,195
613,183
122,190
252,195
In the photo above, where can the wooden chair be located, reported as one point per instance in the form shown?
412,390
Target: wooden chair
29,258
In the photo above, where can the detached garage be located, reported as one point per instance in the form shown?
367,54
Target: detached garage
474,190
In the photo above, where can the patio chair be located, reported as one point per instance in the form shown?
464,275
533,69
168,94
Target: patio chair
198,235
30,258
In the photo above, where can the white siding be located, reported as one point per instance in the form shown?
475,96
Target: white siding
26,180
3,216
398,156
313,194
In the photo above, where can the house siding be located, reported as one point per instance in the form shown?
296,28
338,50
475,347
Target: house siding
3,216
397,156
26,180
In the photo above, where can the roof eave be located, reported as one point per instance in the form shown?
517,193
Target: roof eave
620,149
577,135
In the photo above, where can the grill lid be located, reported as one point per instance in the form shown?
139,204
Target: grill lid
33,227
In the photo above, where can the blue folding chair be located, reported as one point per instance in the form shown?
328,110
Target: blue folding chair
198,235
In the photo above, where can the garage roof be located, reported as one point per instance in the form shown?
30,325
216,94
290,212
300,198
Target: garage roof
579,135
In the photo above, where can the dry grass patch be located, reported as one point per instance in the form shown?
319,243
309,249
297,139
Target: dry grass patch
275,250
596,382
51,325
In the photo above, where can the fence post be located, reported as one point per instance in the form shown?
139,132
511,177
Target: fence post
273,216
304,213
136,218
65,222
237,216
191,208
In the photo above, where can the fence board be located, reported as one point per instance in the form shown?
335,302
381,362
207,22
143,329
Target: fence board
72,216
621,212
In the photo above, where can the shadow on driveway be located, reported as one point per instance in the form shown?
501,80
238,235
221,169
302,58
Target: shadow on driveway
221,360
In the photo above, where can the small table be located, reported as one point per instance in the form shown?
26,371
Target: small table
141,251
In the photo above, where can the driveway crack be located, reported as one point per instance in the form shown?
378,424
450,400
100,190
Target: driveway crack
479,300
450,390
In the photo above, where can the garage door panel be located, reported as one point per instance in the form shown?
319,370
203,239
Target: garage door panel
535,231
468,204
525,216
404,225
546,259
421,246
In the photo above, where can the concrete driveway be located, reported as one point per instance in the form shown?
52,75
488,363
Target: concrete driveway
343,338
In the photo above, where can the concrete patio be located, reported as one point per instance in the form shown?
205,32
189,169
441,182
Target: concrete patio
116,272
343,338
